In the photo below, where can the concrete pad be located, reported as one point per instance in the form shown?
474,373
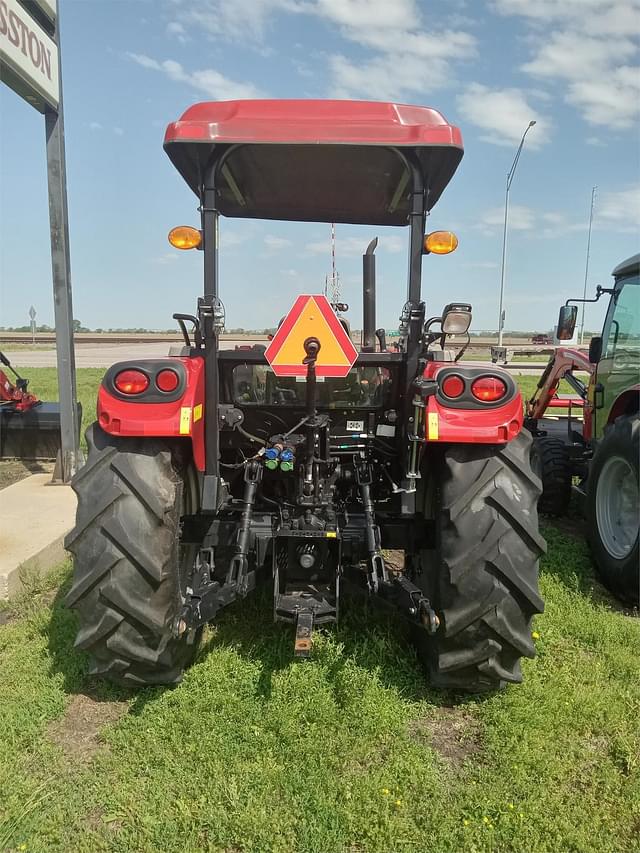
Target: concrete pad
34,518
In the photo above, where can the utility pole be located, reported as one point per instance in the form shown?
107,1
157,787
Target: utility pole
586,267
510,175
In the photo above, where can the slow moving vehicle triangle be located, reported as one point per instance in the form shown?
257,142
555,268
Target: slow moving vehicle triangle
311,316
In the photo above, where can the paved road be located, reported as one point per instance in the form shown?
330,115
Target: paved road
98,355
104,355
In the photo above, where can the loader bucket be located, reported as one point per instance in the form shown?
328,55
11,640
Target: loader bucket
34,434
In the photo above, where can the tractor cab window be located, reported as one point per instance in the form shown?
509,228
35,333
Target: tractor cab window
622,328
366,386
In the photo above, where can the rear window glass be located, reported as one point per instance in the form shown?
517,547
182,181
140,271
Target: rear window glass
364,387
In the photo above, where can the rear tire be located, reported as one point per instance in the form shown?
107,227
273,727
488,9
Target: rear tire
130,572
615,552
484,584
553,464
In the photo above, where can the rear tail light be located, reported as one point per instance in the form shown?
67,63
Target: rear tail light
452,387
167,380
488,389
131,382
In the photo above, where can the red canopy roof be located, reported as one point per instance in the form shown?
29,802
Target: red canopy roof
315,160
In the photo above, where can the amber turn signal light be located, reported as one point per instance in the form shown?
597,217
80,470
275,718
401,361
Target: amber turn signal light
185,237
440,243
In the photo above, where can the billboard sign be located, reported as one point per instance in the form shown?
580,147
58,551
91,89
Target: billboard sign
28,56
48,7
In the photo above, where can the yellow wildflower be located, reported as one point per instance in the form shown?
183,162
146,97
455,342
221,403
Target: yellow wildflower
535,635
386,792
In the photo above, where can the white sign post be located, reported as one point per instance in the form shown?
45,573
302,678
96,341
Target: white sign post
32,317
30,65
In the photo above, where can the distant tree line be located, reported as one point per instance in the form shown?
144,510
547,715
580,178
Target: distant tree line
140,330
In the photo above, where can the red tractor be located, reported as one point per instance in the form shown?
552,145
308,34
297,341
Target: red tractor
209,472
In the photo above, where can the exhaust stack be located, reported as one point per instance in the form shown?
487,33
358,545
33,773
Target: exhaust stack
369,298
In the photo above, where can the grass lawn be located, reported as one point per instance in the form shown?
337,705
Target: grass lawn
349,752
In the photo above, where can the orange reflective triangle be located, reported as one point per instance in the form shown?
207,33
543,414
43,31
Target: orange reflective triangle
311,316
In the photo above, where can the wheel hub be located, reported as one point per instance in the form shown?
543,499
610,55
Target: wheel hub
617,501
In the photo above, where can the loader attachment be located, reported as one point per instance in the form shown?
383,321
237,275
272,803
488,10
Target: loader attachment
32,434
29,428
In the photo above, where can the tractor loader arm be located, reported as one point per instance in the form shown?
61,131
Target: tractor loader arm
561,365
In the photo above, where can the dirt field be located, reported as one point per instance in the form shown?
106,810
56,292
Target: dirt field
13,470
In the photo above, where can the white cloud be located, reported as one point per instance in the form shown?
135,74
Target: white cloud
177,30
503,114
353,246
399,14
275,243
244,20
95,125
384,78
614,211
609,17
595,141
145,61
619,210
207,80
521,218
404,55
118,131
586,46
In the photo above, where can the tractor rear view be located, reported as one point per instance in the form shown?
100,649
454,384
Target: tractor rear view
213,471
601,451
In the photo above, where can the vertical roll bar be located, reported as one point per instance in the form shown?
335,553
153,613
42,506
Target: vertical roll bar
209,217
416,314
416,225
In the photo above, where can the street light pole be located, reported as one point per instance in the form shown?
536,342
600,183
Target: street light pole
510,175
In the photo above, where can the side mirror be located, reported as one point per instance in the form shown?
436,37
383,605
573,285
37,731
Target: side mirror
567,322
456,318
595,350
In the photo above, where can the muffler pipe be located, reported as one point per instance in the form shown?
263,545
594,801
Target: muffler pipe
369,298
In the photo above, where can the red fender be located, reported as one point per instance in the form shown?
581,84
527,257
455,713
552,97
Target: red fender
477,423
183,417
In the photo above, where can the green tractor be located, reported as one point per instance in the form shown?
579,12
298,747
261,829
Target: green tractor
603,451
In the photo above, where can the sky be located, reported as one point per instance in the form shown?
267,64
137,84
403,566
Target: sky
490,66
